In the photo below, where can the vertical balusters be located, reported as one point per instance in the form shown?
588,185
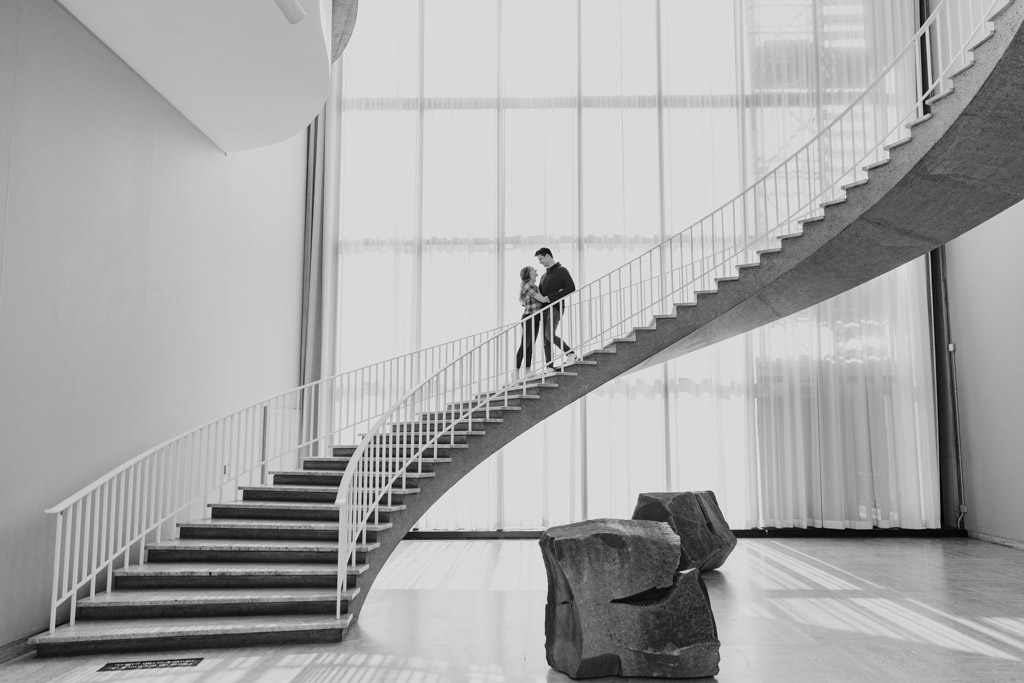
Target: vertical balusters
87,543
146,489
68,556
341,580
108,531
123,493
136,508
251,450
56,598
72,584
158,496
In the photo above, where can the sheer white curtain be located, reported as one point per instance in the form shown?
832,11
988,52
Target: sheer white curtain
476,131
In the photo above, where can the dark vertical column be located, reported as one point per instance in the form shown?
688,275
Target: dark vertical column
951,491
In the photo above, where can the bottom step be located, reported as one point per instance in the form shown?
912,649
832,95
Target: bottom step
90,637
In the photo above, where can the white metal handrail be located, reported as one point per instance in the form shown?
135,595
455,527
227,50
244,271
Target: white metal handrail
480,384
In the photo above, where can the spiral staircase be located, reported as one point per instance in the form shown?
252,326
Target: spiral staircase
299,527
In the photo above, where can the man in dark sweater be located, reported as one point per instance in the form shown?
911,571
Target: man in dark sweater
555,284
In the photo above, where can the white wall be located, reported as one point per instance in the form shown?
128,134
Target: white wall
986,291
148,282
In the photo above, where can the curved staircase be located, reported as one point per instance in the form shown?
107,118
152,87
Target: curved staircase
267,568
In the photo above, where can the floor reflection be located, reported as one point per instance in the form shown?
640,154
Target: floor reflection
787,610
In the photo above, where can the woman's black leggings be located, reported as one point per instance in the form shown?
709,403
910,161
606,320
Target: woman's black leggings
531,326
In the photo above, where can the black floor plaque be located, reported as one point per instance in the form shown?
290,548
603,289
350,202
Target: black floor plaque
151,664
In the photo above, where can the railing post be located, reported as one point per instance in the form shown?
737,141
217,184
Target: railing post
56,572
263,446
73,574
342,582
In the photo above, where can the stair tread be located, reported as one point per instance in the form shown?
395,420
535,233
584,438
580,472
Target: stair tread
460,432
295,524
208,596
348,458
235,569
398,442
898,143
452,410
408,447
513,391
935,98
400,439
981,41
123,629
259,544
291,505
313,474
918,122
425,421
280,504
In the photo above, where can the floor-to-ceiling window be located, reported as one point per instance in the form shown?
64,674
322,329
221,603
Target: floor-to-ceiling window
476,131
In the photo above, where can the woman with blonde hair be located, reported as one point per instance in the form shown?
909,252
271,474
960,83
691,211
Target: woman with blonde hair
532,301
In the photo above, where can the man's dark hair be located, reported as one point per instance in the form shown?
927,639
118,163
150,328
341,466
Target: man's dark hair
543,251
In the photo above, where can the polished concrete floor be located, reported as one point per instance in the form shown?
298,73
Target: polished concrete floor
787,610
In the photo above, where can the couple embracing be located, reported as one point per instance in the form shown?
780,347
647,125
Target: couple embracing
555,284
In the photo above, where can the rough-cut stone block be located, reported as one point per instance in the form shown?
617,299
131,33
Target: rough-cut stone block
706,539
618,607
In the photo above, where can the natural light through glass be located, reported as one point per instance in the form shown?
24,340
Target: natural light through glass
476,131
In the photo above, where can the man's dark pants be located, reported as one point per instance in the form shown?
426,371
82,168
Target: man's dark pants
551,319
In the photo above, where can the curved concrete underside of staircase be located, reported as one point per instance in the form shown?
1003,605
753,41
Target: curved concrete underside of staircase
963,166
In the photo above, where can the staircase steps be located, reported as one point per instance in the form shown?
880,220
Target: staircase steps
285,494
251,529
455,438
253,550
483,414
917,122
233,575
210,602
339,463
935,98
899,143
400,448
328,477
91,637
428,464
321,511
427,428
513,397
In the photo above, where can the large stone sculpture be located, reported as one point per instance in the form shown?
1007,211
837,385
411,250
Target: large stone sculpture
706,539
617,606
